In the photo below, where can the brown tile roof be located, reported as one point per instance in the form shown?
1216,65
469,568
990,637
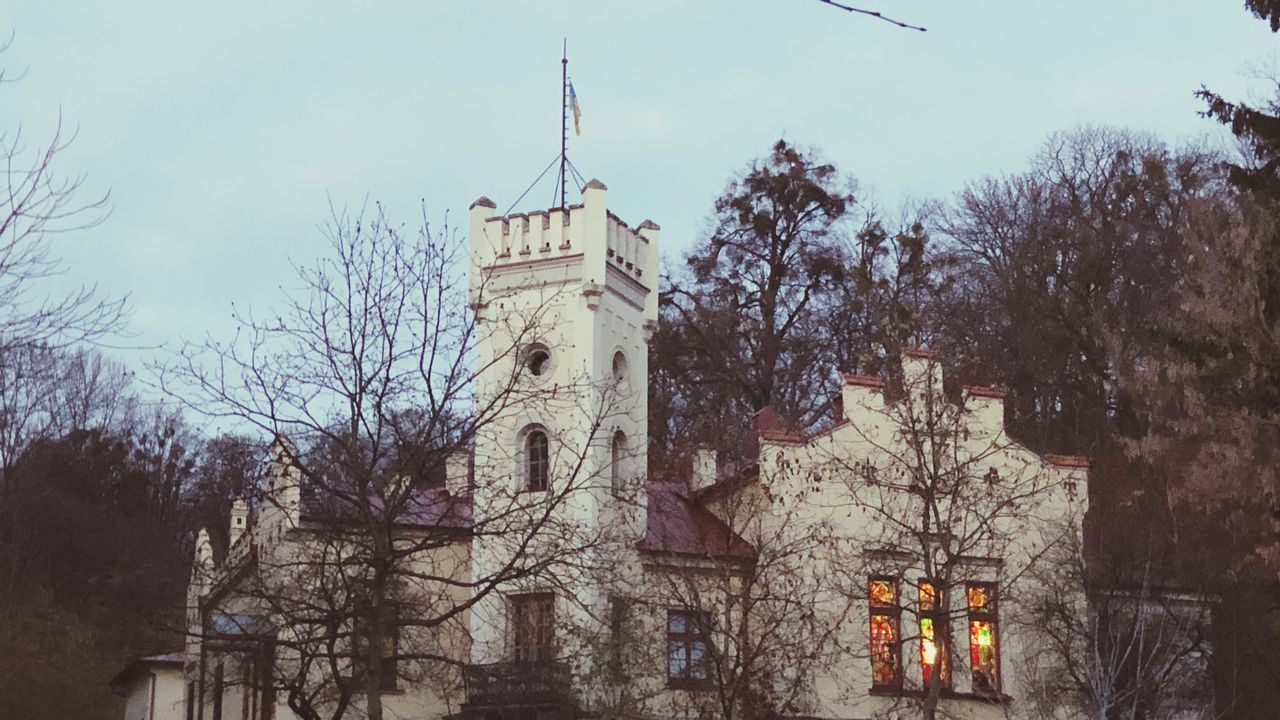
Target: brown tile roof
1070,461
680,525
923,353
135,666
870,381
984,391
428,507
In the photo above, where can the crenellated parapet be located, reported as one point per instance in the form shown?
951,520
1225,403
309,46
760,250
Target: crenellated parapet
584,243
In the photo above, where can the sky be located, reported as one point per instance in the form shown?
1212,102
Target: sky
223,129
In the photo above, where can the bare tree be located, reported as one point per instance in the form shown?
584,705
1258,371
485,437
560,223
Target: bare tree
37,204
945,516
768,622
368,379
1113,644
873,13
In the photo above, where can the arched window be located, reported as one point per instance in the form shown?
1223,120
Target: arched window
538,361
618,454
619,368
537,460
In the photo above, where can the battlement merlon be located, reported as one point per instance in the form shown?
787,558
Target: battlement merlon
587,232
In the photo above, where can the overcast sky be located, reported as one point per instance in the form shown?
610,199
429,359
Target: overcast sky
219,127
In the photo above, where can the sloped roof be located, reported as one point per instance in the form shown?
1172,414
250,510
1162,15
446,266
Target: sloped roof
135,666
431,506
680,525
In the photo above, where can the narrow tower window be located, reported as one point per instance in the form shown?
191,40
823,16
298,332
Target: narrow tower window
617,478
619,368
537,460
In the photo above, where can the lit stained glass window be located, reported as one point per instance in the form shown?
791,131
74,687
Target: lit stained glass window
932,638
984,638
884,633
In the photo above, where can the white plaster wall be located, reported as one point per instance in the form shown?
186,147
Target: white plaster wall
575,283
803,476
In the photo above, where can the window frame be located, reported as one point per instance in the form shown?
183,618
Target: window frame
219,687
389,654
892,614
697,631
532,627
537,370
988,612
617,452
936,614
389,673
620,369
536,462
619,635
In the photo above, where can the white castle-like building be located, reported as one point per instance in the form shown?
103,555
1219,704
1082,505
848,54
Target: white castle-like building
883,566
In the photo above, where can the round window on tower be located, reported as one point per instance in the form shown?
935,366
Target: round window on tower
537,361
619,368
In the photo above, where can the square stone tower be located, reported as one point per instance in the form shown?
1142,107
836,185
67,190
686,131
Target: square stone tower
565,301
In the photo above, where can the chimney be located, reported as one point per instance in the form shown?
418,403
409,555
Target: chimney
239,520
922,374
860,395
457,473
704,469
985,407
767,420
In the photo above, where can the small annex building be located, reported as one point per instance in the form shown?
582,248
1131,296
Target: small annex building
153,687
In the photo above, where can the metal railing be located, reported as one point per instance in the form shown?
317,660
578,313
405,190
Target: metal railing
510,684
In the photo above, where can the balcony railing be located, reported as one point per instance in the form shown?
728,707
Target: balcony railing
512,684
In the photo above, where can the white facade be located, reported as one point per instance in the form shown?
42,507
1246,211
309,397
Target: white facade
153,688
567,301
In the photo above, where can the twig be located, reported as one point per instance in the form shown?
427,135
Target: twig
873,13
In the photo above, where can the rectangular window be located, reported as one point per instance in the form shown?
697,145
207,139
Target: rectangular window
217,692
933,634
390,650
247,697
539,460
687,647
883,640
984,637
266,681
619,614
533,627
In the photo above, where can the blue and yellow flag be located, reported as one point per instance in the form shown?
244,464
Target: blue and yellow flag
577,111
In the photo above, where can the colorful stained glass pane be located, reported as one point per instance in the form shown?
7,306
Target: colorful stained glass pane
883,593
884,650
982,655
928,648
979,598
928,596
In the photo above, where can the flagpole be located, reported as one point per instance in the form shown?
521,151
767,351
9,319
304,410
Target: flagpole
564,121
